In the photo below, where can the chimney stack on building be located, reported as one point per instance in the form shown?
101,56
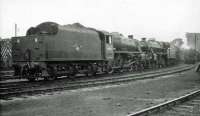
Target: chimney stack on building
130,36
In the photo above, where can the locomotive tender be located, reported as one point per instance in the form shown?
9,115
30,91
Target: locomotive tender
50,50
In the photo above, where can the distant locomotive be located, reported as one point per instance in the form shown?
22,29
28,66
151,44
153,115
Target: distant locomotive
50,50
175,52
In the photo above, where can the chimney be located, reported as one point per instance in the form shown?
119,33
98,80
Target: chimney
152,39
143,39
130,36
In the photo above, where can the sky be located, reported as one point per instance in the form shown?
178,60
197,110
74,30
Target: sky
163,20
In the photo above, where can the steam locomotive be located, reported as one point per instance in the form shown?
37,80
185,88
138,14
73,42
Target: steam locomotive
50,50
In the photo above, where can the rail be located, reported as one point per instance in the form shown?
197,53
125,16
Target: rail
162,106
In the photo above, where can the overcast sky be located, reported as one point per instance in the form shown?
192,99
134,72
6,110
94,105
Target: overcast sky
161,19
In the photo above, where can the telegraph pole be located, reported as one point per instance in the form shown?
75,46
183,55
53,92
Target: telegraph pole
195,45
15,30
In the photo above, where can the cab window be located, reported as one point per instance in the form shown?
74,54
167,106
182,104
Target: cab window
108,39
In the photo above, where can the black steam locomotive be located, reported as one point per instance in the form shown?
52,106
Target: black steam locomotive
50,50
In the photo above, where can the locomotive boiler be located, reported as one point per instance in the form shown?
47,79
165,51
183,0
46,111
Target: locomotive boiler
126,52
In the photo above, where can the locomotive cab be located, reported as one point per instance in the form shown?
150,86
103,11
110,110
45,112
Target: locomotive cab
107,46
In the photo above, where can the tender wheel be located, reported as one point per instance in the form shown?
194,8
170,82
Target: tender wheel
89,71
109,70
50,78
32,79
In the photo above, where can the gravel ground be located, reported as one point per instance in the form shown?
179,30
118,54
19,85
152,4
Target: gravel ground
110,100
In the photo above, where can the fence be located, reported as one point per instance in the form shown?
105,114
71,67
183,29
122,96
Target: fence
5,53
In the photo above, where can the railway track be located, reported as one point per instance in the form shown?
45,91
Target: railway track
187,105
8,90
7,75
